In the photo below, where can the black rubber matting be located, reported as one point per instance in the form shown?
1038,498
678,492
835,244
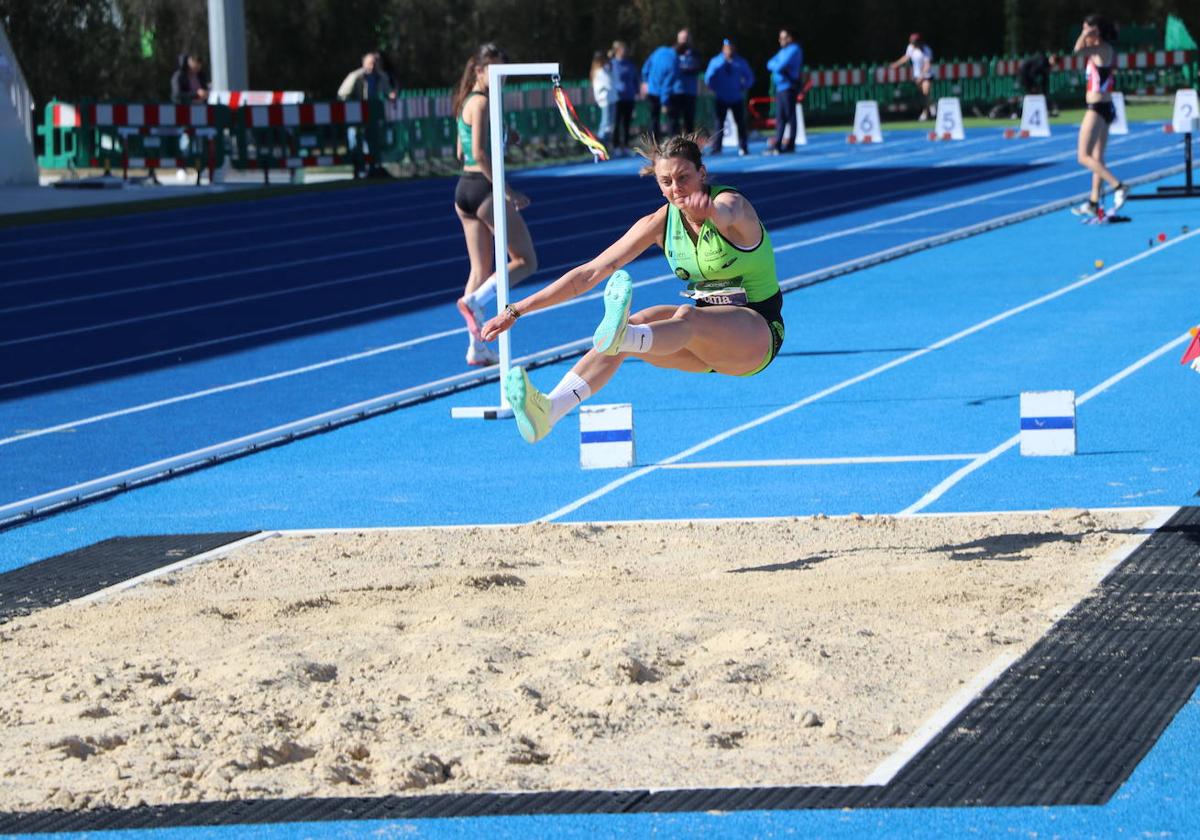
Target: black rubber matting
1065,725
65,577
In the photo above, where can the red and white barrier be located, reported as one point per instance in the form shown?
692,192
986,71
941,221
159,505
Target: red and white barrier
149,116
317,113
242,98
1125,61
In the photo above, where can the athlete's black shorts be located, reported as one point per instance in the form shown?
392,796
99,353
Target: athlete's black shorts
1106,110
472,189
771,310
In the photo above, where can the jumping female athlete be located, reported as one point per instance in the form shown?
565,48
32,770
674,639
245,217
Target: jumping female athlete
473,204
715,243
1095,44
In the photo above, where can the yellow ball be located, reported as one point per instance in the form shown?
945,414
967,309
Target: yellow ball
1099,263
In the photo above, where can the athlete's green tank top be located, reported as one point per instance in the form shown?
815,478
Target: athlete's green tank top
713,262
464,132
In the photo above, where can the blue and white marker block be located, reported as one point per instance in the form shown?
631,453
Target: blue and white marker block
1048,423
606,436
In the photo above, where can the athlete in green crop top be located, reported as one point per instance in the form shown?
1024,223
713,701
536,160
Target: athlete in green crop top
715,243
473,204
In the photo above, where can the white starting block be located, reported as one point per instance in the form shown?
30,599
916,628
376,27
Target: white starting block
606,436
1048,423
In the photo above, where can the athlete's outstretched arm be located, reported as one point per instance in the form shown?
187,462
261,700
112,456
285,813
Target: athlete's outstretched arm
644,233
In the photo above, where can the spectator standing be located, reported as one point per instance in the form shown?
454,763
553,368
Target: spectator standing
729,77
367,82
921,56
625,79
189,84
786,67
681,107
605,94
658,76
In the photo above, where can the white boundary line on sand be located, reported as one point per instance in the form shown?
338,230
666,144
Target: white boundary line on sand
719,520
958,475
221,551
854,380
940,719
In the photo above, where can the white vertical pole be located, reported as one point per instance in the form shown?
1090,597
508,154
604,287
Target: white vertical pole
227,45
496,76
499,211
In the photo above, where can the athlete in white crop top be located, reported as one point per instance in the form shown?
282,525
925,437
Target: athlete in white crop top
1095,45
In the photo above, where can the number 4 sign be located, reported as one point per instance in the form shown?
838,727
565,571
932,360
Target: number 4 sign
1035,116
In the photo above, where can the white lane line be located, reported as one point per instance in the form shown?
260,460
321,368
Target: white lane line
285,374
966,202
293,325
163,242
929,730
929,148
958,475
813,462
162,467
854,380
216,553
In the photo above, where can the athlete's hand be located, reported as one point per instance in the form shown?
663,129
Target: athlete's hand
698,206
497,325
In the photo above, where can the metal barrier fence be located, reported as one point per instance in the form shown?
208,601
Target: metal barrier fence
415,133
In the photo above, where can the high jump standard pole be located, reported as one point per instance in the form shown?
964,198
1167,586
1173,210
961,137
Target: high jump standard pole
496,76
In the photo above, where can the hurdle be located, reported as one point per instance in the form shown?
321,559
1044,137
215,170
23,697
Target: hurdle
497,73
1184,121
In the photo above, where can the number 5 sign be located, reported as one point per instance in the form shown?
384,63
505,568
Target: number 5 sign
949,119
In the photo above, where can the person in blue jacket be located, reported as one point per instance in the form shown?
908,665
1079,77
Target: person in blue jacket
681,106
658,76
729,77
625,77
785,67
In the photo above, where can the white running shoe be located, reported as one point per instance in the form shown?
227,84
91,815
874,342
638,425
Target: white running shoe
472,313
1119,195
1086,209
480,355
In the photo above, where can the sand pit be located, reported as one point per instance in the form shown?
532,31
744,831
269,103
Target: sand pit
794,652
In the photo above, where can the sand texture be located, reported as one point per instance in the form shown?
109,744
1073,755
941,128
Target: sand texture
784,652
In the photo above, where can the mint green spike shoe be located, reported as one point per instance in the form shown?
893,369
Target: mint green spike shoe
531,407
618,294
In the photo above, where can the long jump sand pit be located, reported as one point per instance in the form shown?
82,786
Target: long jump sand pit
540,657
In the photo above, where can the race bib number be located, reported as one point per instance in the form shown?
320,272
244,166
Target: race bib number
717,294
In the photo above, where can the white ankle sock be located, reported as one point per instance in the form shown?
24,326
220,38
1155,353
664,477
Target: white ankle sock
486,291
568,393
638,339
